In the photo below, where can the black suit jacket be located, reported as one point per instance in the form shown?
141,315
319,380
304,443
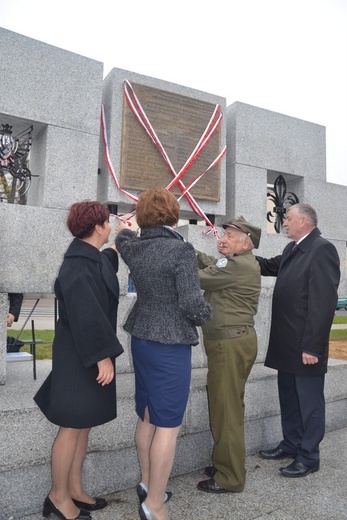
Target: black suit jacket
304,302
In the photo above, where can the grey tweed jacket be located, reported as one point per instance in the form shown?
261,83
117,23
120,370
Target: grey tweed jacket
169,303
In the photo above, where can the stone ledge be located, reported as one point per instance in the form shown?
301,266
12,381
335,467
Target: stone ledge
111,464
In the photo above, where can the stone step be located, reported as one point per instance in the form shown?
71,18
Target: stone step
26,436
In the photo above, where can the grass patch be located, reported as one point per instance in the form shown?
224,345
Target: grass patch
340,320
42,351
338,335
45,351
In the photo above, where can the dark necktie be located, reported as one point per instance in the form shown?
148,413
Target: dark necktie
294,247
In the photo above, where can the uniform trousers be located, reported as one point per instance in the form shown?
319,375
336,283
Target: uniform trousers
302,415
229,364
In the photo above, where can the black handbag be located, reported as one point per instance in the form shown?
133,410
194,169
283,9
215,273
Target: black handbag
13,344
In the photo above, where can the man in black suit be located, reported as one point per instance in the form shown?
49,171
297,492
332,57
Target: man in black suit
303,307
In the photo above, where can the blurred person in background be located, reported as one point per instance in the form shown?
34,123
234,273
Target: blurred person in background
15,305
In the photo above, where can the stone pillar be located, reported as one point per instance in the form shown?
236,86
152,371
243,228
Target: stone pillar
3,332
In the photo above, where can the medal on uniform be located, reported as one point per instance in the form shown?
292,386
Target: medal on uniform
222,262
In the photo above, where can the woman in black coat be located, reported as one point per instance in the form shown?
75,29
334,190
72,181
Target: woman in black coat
80,391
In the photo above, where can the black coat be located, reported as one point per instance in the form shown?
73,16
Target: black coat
87,291
15,304
303,305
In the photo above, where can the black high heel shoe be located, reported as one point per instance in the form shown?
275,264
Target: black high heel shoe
100,503
49,507
142,491
145,513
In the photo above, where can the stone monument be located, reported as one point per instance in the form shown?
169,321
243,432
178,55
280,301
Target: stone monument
109,139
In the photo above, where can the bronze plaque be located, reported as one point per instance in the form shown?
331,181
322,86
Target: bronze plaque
179,122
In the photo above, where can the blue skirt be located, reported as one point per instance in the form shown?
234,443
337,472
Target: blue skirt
162,380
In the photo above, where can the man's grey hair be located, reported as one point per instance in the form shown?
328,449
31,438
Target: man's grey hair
243,237
307,210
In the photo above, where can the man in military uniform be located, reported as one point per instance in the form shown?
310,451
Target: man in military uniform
232,287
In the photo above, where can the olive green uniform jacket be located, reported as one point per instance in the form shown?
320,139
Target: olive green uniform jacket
232,287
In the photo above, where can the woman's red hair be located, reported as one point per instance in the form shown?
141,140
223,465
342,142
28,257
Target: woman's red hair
84,216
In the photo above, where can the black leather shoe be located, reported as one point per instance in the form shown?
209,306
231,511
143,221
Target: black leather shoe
49,507
211,486
275,454
298,469
100,503
210,471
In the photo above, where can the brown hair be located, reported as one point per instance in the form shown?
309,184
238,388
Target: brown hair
84,216
157,207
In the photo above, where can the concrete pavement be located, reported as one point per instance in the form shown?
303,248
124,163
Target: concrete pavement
267,496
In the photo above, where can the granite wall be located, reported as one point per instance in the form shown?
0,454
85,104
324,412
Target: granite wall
61,93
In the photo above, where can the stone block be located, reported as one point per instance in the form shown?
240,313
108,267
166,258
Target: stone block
196,416
66,162
276,142
114,103
246,185
246,194
18,356
40,82
200,237
38,88
35,242
330,202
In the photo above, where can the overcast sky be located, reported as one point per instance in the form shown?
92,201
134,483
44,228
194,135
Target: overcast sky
289,56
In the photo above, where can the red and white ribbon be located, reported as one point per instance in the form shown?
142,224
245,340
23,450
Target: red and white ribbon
111,169
142,118
211,128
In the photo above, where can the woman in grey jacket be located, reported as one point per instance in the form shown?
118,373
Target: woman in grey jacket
162,323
